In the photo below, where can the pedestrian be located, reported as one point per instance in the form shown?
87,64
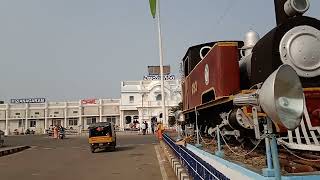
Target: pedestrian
160,130
55,132
143,128
147,127
152,127
61,132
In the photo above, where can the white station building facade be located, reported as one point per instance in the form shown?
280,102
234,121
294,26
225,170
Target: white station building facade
17,117
142,100
139,101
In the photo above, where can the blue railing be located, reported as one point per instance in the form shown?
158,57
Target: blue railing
197,168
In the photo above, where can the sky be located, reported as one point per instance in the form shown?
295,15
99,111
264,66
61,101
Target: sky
77,49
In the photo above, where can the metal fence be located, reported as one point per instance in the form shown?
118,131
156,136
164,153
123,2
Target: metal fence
196,167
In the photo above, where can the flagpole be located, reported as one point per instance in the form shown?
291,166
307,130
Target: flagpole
164,116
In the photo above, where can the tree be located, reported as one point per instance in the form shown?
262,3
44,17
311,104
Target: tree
172,119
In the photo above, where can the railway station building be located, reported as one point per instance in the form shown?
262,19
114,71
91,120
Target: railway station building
141,100
77,115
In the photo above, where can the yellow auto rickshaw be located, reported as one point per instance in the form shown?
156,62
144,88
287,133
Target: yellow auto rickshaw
102,135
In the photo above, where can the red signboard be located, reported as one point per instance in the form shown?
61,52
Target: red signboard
88,101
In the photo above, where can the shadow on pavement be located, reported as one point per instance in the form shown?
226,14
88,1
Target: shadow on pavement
124,148
118,149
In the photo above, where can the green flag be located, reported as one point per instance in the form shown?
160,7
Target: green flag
153,5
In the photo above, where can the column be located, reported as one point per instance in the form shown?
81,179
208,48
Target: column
100,110
80,117
6,132
26,117
121,120
166,119
65,114
140,115
45,117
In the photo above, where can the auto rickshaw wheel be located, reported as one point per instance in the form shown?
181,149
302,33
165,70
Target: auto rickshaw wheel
92,149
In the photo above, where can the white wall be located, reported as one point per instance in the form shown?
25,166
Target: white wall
13,113
91,110
52,113
2,125
32,113
70,112
2,114
111,109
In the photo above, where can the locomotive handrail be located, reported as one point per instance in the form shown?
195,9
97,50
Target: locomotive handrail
195,168
219,101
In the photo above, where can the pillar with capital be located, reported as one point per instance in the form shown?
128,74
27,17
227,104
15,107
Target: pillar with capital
26,117
6,131
100,110
80,117
65,114
45,117
121,120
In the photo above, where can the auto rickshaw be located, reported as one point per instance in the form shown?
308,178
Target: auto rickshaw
102,136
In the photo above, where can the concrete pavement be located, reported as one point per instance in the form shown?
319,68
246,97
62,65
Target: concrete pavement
70,158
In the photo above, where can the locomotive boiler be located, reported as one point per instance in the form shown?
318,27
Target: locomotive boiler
219,75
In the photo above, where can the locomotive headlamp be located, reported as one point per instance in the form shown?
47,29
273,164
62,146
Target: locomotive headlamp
280,97
295,7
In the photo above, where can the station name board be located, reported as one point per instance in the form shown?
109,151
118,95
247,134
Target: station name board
28,100
158,77
88,101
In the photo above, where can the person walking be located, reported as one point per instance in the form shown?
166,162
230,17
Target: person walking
147,126
55,132
152,127
160,130
61,132
143,128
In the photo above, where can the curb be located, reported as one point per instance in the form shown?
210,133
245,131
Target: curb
178,169
7,151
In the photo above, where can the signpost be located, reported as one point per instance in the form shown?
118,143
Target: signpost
27,100
88,101
158,77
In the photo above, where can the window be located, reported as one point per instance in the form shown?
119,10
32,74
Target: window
21,123
75,112
158,97
56,112
33,123
36,113
145,112
73,122
111,119
91,120
18,114
131,99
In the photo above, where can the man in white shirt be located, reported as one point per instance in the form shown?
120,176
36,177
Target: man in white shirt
143,128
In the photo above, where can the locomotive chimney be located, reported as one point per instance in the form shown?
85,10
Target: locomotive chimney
288,8
281,16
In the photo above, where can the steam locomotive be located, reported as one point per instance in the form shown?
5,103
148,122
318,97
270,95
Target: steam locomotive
215,72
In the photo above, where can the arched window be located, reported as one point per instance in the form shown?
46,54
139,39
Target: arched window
158,97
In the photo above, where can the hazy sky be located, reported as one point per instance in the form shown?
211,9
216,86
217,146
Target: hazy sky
74,49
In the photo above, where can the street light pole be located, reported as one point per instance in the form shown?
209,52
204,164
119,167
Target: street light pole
161,66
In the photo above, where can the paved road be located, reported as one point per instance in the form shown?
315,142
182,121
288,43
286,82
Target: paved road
135,158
